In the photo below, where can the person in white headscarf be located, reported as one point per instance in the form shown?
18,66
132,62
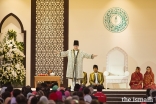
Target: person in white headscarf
44,99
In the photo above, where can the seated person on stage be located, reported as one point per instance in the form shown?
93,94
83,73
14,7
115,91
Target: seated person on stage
148,81
84,80
136,79
96,78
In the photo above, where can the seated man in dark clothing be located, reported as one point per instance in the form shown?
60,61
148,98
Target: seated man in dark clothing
96,78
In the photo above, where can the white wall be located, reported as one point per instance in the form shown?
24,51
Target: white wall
138,40
22,9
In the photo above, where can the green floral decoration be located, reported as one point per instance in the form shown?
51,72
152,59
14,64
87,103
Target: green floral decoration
12,58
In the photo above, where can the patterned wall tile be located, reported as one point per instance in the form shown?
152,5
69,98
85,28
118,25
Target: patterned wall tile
49,36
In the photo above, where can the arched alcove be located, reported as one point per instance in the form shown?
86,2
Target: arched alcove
117,56
11,21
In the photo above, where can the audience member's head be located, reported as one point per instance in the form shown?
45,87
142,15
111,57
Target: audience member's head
20,99
23,89
67,102
16,92
67,93
59,102
44,99
29,94
87,97
52,102
148,92
74,101
99,88
151,91
6,94
34,100
86,91
75,97
91,90
94,102
54,88
69,98
9,88
77,87
80,94
41,102
3,90
38,88
27,90
82,102
55,83
154,93
62,88
75,93
40,93
43,85
68,89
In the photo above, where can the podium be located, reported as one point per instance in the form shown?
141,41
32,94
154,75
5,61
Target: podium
47,78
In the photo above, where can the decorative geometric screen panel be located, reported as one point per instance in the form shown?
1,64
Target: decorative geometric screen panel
49,36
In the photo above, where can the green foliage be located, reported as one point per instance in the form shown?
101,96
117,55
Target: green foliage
11,35
20,46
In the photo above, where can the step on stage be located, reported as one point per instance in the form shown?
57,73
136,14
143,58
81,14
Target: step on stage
124,96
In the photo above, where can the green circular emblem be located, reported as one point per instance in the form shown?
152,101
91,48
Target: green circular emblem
116,20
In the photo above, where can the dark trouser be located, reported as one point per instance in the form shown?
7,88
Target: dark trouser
95,86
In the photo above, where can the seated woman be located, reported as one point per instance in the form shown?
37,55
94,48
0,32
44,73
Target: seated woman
148,81
136,79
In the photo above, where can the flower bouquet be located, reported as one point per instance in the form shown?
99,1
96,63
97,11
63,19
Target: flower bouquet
12,58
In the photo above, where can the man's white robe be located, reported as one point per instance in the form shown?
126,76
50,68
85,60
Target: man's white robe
75,63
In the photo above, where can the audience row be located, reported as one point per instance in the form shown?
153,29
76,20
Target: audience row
52,95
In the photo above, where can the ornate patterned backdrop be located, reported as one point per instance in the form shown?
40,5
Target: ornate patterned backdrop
49,36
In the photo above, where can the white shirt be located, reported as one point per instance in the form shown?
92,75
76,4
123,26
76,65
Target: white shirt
96,79
76,53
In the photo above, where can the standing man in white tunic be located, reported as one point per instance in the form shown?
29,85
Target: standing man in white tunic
75,62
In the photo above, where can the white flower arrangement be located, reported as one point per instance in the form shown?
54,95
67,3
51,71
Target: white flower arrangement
12,68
